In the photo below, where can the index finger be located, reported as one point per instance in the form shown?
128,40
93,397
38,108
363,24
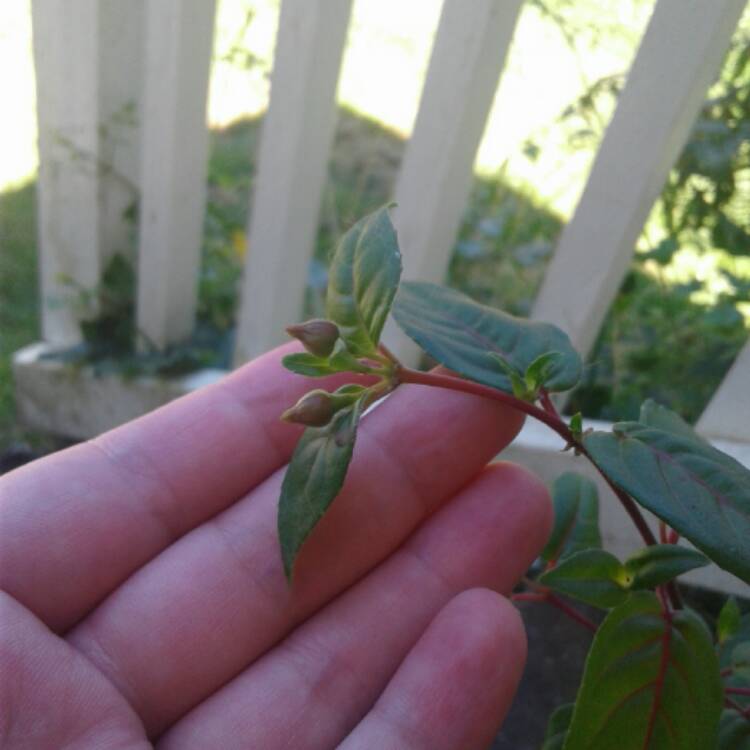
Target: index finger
74,525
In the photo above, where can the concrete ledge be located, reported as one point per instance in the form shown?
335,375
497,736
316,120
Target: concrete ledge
78,403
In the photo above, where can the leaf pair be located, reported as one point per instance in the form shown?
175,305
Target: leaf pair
670,470
363,279
598,578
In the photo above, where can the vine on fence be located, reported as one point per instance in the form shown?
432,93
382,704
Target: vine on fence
655,676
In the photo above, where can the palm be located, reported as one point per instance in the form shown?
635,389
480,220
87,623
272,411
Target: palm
146,601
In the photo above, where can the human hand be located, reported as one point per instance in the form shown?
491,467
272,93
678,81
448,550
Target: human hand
145,602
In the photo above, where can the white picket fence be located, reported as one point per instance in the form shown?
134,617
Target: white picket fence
141,67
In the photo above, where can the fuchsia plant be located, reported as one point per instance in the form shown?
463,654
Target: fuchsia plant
655,676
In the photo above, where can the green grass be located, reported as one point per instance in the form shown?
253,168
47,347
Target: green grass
19,314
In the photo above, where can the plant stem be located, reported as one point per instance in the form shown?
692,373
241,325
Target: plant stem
553,421
547,403
389,355
737,691
540,593
628,503
674,595
407,375
666,643
571,612
525,596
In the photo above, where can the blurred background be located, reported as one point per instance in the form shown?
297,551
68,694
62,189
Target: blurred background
680,317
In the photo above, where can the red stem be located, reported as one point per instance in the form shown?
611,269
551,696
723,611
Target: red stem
663,664
525,596
553,421
540,593
737,691
406,375
548,404
663,533
571,612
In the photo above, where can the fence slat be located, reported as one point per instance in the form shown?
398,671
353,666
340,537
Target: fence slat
728,413
65,55
121,47
678,59
88,80
297,135
435,179
179,35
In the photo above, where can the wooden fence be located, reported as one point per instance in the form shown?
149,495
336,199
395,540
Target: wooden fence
104,61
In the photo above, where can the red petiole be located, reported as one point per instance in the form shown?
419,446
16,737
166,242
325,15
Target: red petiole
548,417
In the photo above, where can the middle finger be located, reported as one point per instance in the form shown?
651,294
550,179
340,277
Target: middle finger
199,613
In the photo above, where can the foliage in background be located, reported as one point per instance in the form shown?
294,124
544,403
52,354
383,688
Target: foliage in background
660,324
19,316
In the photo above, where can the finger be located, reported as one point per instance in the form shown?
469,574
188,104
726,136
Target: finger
456,685
314,687
76,524
217,599
51,697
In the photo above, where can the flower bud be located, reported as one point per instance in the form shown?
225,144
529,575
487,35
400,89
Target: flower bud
318,336
314,409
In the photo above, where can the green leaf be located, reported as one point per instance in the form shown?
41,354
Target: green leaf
308,364
698,490
314,478
342,360
517,382
734,731
592,576
637,696
459,333
557,727
544,367
729,620
304,363
362,281
576,425
659,563
576,527
656,415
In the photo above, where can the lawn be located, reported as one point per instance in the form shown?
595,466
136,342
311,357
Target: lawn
19,307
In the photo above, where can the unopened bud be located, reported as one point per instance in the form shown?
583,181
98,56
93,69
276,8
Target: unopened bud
314,409
318,336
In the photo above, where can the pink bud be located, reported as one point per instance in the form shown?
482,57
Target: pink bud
318,336
314,409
